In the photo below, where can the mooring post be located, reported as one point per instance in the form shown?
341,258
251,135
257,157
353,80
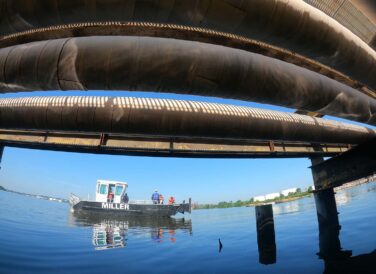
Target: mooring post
265,234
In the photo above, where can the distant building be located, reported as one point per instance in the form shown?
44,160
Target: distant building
271,196
289,190
260,198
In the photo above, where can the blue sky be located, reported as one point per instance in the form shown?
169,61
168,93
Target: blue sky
205,180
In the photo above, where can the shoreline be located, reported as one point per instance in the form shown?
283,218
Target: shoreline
301,195
281,200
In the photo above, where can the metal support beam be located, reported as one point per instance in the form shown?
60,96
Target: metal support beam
163,145
327,215
336,260
355,164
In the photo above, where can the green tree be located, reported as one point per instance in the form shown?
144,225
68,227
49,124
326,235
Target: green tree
238,203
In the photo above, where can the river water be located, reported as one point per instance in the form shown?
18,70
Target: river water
41,236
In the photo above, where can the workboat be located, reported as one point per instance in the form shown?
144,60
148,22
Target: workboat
108,201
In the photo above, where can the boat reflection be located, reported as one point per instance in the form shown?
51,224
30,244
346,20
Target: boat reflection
111,232
109,235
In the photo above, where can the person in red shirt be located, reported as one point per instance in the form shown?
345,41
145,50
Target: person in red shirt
110,196
171,201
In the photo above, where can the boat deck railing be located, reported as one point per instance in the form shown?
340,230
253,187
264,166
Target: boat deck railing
141,202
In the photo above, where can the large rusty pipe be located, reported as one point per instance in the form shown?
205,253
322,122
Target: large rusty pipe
160,117
148,29
293,25
168,65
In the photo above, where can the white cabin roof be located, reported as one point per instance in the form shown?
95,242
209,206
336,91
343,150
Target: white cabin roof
108,182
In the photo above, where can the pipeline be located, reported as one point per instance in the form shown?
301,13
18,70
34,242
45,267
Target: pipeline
176,66
161,117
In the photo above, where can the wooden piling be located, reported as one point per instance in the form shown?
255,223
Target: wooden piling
265,234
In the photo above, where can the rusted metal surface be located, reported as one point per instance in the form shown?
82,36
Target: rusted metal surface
162,146
293,25
312,114
167,65
162,117
183,33
356,163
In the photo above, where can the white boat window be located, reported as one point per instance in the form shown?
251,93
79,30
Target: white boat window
103,189
118,191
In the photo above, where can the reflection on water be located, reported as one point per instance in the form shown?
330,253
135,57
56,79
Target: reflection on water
343,198
336,260
39,236
110,232
285,208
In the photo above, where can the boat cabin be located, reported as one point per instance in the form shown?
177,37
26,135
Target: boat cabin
105,187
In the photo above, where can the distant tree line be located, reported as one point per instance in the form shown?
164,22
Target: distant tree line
238,203
299,193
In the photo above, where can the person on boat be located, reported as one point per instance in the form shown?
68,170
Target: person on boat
110,196
161,199
125,198
155,197
171,201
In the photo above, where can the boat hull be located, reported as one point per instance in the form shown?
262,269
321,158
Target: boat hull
122,209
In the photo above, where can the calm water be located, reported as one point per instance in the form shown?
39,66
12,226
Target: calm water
42,236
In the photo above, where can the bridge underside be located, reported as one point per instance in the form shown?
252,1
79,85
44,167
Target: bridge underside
278,52
162,146
274,52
